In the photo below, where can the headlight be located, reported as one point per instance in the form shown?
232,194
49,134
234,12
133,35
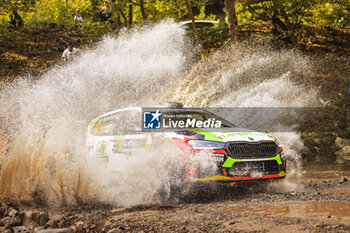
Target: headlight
209,145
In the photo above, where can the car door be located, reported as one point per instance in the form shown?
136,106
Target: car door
119,133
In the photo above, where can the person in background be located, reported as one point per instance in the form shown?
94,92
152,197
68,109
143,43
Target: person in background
105,13
78,18
68,53
15,20
12,23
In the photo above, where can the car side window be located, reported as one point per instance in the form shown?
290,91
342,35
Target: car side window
127,122
103,127
120,123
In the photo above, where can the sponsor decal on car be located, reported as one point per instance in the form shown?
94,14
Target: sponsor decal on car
101,148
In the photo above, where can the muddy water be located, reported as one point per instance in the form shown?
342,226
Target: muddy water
331,210
320,201
325,172
313,206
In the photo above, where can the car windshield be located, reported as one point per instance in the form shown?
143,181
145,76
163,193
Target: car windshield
197,115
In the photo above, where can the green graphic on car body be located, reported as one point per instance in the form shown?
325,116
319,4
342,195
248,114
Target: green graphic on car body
101,148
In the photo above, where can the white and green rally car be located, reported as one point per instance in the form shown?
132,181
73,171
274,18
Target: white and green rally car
239,154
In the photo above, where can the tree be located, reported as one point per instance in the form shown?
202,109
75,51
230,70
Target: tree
193,23
143,11
278,7
130,13
273,16
232,19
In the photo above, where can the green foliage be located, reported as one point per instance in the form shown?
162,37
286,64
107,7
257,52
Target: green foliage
97,29
6,6
319,145
21,5
44,12
319,12
300,12
254,13
8,37
346,133
327,139
214,37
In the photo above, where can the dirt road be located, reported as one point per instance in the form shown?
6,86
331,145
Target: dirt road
318,201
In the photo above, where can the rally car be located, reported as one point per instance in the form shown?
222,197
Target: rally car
239,154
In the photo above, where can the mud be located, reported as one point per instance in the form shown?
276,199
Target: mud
304,204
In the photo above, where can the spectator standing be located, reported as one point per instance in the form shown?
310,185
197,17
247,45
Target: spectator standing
15,20
12,23
78,18
104,13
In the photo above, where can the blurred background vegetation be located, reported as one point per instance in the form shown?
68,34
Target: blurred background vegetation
37,13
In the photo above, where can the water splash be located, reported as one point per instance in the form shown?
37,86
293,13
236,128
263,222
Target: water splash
252,75
42,120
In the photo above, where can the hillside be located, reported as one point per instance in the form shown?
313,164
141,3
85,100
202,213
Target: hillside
34,50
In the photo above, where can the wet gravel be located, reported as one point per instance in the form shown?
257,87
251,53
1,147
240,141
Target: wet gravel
297,196
342,183
212,209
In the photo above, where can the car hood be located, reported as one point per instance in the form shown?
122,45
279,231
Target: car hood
232,134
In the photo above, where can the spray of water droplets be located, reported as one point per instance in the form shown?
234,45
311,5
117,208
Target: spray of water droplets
43,121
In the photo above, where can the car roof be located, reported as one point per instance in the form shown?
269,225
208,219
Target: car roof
198,21
139,109
121,110
185,110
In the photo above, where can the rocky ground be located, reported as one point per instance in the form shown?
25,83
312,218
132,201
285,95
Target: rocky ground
297,205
